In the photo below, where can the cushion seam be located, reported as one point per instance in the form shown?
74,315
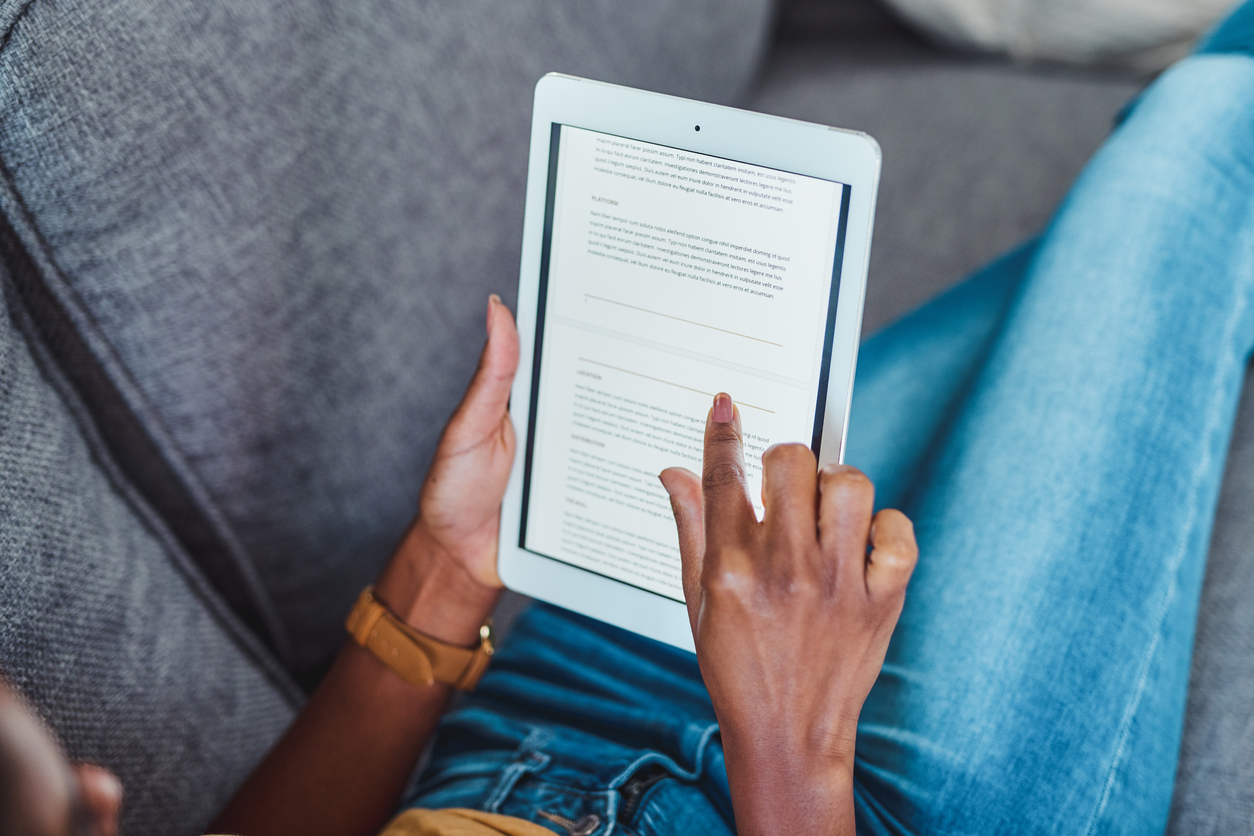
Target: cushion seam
50,371
17,18
149,430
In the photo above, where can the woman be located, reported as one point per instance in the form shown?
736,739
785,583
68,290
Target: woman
1056,428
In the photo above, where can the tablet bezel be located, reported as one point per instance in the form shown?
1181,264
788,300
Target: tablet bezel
804,148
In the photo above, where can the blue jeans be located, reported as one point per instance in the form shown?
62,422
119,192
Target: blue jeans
1056,426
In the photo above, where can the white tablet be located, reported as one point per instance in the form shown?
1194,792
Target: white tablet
671,250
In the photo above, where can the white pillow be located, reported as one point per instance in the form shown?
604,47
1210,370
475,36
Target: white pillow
1140,34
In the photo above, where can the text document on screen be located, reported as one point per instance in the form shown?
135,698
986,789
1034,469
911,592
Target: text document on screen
671,276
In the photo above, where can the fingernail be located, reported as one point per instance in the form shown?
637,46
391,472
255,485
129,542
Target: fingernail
722,408
493,301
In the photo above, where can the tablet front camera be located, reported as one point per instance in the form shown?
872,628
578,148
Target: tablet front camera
696,127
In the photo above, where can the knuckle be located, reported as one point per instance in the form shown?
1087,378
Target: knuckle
897,532
804,588
897,559
726,581
846,479
722,474
787,454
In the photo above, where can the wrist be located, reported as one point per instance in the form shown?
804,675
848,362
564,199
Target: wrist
433,592
780,785
775,793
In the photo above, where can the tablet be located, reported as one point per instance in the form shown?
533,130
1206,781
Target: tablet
672,250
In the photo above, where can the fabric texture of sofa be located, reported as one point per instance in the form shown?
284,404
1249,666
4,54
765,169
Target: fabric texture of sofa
245,249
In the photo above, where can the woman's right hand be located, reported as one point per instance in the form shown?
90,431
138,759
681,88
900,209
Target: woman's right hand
791,617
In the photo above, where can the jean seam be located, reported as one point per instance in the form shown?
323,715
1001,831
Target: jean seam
1233,357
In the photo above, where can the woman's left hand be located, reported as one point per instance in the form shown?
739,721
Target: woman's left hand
459,512
341,767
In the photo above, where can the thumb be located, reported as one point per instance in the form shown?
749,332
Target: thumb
684,488
487,397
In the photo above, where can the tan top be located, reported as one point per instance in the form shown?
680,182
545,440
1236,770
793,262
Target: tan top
458,822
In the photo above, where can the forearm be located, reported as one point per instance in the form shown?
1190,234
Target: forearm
340,769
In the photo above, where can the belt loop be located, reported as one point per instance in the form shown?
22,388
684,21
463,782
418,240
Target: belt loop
527,758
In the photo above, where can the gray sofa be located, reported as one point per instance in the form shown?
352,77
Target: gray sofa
244,250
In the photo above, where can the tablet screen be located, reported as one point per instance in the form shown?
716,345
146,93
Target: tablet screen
667,276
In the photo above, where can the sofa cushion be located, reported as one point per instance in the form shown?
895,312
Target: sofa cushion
105,624
275,227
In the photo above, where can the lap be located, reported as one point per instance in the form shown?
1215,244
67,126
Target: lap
579,719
